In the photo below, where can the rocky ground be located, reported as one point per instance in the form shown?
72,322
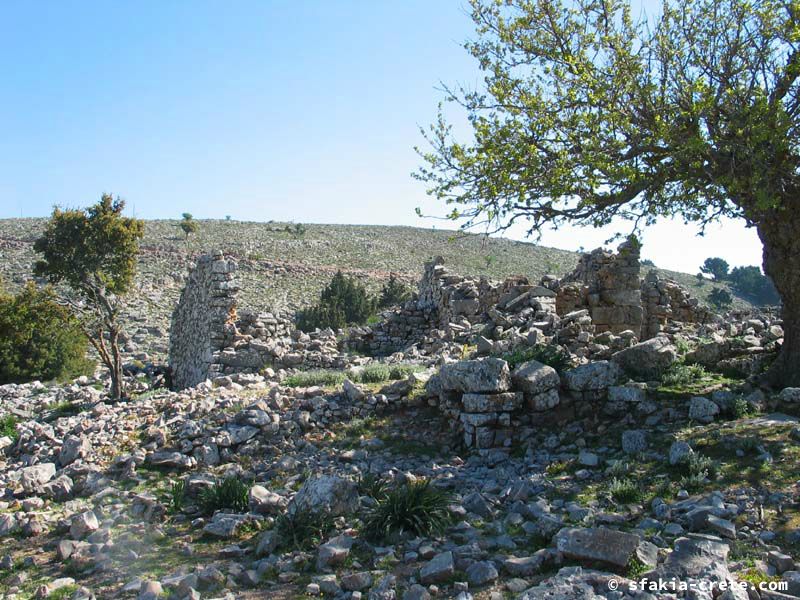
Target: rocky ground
626,461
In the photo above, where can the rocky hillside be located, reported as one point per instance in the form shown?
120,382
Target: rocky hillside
283,271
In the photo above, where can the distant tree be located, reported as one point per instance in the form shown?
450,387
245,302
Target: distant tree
586,114
297,230
94,252
700,279
227,217
188,224
752,283
647,262
344,301
394,292
720,298
716,267
39,338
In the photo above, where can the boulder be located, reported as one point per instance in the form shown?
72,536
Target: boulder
326,494
702,409
633,441
679,452
334,552
266,502
439,569
593,376
534,377
74,447
32,478
83,524
649,359
482,375
608,546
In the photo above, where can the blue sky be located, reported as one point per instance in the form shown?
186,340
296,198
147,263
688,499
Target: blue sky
302,110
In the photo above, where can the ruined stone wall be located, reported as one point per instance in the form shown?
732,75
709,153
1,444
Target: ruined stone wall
609,286
202,323
665,300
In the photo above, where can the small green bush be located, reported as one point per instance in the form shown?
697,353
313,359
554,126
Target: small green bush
372,485
8,427
680,374
302,530
176,496
624,490
343,302
229,494
375,373
418,508
39,338
547,354
319,377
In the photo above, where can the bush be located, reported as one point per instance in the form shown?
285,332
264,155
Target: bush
39,338
371,485
302,530
176,496
624,490
343,302
680,374
417,508
546,354
394,292
374,373
8,427
230,494
752,283
720,298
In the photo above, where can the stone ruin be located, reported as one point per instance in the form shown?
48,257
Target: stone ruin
602,307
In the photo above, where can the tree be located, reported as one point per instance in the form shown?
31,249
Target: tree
720,298
716,267
39,338
188,224
394,292
93,251
342,302
587,116
752,283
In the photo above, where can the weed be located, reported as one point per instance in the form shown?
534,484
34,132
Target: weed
624,490
680,374
8,427
636,568
418,508
176,498
547,354
560,467
371,485
231,494
302,530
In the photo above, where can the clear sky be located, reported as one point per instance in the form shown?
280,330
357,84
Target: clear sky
301,110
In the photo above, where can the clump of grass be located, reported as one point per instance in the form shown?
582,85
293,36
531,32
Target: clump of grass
302,530
559,467
680,374
176,496
694,482
315,377
756,577
8,427
619,469
418,508
636,568
371,485
63,593
739,408
374,373
547,354
229,494
624,490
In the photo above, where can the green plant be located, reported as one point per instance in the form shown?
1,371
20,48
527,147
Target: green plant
8,427
321,377
176,497
739,408
188,225
418,508
619,469
560,467
229,494
344,301
94,252
624,490
720,298
374,373
694,482
372,485
302,530
39,338
636,568
680,374
547,354
394,292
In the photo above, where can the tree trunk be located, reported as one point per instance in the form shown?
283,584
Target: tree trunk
116,366
780,235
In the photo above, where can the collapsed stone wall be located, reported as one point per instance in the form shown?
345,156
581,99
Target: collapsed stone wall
202,322
665,300
609,286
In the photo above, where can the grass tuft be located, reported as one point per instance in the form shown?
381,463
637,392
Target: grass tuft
418,508
229,494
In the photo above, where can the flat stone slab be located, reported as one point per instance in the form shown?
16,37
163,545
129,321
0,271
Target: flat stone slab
603,545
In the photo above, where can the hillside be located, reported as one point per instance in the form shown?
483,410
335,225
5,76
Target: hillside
279,271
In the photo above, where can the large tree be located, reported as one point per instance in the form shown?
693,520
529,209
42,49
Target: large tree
587,115
94,252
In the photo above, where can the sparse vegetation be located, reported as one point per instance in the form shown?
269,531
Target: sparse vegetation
188,225
8,427
302,530
624,490
343,302
394,292
547,354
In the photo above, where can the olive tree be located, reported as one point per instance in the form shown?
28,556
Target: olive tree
587,115
93,252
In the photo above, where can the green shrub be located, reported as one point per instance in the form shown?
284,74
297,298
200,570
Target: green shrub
344,301
624,490
8,426
546,354
229,494
418,508
739,408
680,374
39,338
374,373
321,377
302,530
394,292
